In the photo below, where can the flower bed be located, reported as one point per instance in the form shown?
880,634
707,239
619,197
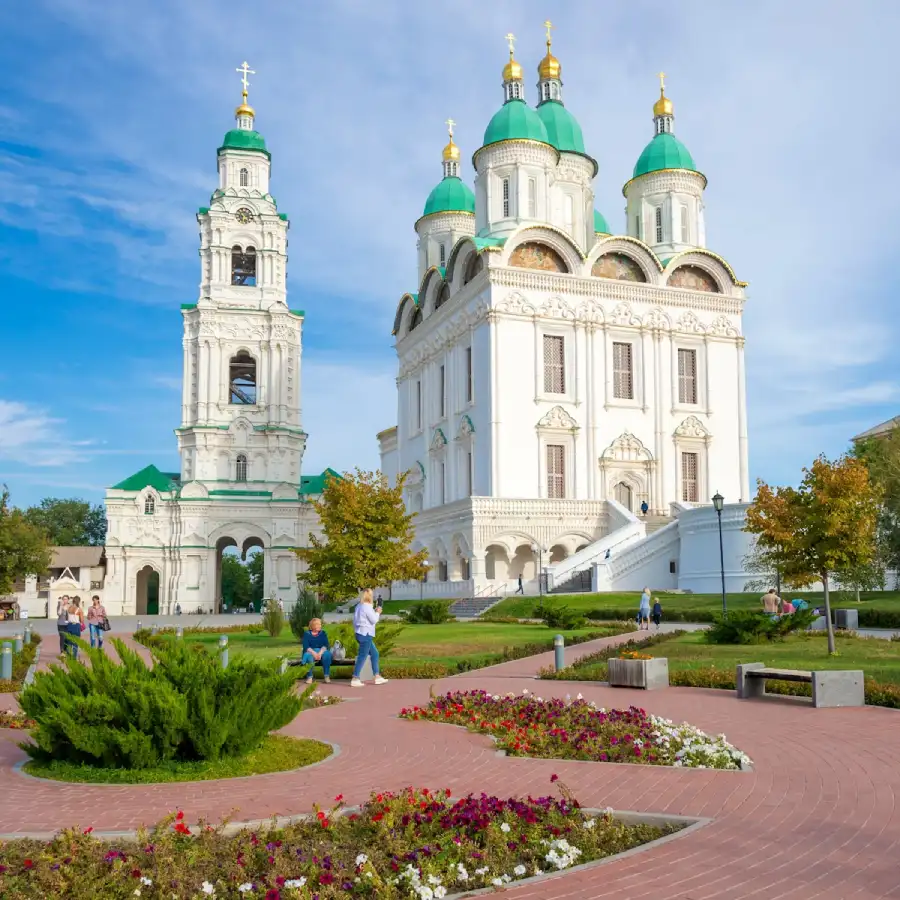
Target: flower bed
316,700
411,844
15,720
526,725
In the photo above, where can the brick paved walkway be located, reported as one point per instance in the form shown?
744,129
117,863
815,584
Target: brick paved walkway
817,818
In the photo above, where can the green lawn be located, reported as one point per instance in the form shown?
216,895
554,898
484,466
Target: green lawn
679,606
878,658
475,642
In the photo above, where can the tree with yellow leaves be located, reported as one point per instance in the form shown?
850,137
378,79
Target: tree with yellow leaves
825,527
368,537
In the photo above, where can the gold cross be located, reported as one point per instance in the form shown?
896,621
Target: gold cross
245,70
548,25
450,123
662,80
511,40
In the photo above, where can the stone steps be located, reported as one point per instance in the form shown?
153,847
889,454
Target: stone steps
472,607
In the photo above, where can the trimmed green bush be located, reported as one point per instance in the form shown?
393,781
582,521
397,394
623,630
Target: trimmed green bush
562,618
428,612
742,627
303,611
130,715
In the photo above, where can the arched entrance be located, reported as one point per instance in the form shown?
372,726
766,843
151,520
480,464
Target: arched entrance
147,592
625,495
240,574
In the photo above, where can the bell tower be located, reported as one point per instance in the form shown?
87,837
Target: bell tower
241,380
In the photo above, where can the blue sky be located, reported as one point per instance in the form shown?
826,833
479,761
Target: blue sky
111,114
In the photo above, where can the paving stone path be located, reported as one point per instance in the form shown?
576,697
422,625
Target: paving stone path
817,817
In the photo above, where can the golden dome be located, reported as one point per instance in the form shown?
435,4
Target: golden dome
512,71
245,109
451,152
549,66
663,106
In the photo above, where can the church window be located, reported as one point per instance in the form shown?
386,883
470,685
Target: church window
505,198
149,506
556,471
443,484
240,468
419,405
242,379
659,225
443,254
554,364
685,231
469,385
554,91
469,474
532,198
570,214
623,371
637,228
687,376
442,385
690,488
245,178
243,266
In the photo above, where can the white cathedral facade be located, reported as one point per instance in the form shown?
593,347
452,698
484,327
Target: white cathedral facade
241,440
569,399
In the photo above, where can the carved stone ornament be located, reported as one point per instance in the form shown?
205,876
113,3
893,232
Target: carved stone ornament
627,448
692,427
657,320
515,304
466,428
723,327
559,419
438,440
557,308
690,324
623,315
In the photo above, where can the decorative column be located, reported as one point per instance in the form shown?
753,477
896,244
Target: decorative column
742,421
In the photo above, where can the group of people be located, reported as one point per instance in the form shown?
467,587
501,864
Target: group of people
71,623
776,607
317,649
648,613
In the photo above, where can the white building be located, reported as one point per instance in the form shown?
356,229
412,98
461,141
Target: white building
241,439
554,377
74,572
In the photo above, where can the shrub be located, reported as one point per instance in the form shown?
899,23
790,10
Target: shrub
562,618
747,627
303,611
428,612
273,618
185,707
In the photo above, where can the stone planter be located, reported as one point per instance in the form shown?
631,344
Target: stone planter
647,674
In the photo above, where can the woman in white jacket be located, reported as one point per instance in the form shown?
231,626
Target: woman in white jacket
365,618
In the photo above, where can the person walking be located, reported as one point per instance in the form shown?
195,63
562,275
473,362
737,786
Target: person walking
365,618
96,616
645,507
656,614
74,624
62,621
521,588
645,609
316,649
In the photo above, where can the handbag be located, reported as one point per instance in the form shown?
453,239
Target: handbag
338,652
104,624
83,626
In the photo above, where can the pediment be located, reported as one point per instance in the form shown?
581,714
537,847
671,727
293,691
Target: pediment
284,492
194,490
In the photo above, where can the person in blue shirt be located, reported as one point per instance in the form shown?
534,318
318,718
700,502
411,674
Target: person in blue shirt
316,649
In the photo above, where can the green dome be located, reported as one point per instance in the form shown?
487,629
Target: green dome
451,195
515,121
665,151
600,226
563,130
241,139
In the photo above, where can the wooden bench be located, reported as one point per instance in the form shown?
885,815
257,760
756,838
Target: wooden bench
335,663
829,688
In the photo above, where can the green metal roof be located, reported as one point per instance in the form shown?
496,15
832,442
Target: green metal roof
450,195
600,225
315,484
665,151
482,242
515,121
242,139
149,477
563,130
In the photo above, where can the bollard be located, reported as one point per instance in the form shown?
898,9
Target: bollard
6,661
154,629
139,625
27,634
17,647
223,650
179,631
559,650
284,665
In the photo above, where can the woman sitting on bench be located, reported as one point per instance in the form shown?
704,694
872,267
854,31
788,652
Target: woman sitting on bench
316,649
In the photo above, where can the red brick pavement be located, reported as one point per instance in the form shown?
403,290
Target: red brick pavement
816,818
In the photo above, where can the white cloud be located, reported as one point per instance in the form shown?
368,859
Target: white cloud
30,436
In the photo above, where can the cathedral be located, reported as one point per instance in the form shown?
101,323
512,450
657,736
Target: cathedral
570,399
241,439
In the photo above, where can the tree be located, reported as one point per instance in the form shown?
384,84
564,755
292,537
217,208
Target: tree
256,570
24,548
69,523
824,528
237,589
368,537
881,456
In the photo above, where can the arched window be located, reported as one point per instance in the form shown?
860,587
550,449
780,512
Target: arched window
149,505
243,266
245,177
443,254
473,267
659,225
443,296
240,473
505,198
242,379
416,319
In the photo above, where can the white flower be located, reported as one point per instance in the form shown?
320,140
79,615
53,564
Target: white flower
519,870
538,871
433,879
426,893
207,888
362,859
461,873
505,828
482,871
440,891
146,880
525,691
579,697
248,886
137,892
589,823
497,882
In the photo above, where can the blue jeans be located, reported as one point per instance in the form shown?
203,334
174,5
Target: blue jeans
75,632
368,649
307,659
96,635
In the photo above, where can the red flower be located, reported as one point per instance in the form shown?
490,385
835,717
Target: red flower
88,830
377,817
326,878
339,798
554,778
320,815
28,864
273,894
181,828
135,873
180,816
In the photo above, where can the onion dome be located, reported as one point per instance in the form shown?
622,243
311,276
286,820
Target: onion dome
600,226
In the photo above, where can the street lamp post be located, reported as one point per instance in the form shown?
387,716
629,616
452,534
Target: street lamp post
719,502
422,579
535,548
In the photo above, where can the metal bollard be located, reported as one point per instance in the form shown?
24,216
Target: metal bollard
139,625
179,631
284,665
559,650
6,661
223,650
17,646
27,634
154,629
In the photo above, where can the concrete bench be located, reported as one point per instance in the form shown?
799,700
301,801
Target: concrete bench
829,688
335,663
